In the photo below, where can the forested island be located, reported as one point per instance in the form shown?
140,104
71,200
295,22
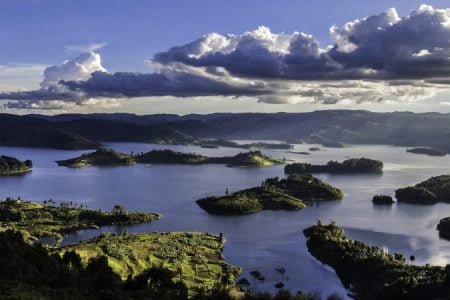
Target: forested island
215,143
382,200
444,228
427,151
349,166
430,191
273,194
49,219
103,157
370,272
13,166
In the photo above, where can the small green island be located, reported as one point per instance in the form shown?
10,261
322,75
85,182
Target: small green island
433,190
104,157
369,272
100,157
427,151
12,166
382,200
48,219
273,194
349,166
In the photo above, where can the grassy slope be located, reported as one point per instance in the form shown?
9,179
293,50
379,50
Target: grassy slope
195,258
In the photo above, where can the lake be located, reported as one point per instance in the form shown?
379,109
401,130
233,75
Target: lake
262,241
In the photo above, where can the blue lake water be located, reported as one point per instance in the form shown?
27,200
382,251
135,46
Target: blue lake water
261,241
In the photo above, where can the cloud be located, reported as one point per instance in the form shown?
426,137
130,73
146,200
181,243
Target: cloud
52,89
383,58
16,76
85,48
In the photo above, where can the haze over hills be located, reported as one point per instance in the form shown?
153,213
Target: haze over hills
346,126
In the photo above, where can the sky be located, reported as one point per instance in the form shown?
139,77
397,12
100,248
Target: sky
207,56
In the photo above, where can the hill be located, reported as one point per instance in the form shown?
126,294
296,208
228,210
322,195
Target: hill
13,166
273,194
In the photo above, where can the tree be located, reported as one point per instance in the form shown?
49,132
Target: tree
118,209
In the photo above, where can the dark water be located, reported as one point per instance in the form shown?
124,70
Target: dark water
261,241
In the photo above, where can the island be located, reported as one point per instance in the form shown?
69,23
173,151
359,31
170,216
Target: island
444,228
48,219
100,157
382,200
215,143
369,272
349,166
427,151
299,152
430,191
13,166
273,194
104,157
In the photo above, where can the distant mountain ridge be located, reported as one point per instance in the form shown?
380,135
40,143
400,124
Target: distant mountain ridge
342,126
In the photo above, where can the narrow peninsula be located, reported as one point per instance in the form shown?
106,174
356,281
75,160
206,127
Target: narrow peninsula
48,219
273,194
369,272
349,166
13,166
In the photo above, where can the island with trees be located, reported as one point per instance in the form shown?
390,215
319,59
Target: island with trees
349,166
104,157
444,228
382,200
427,151
215,143
13,166
50,219
430,191
100,157
273,194
369,272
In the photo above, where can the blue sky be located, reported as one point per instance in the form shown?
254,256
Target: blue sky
38,31
48,32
